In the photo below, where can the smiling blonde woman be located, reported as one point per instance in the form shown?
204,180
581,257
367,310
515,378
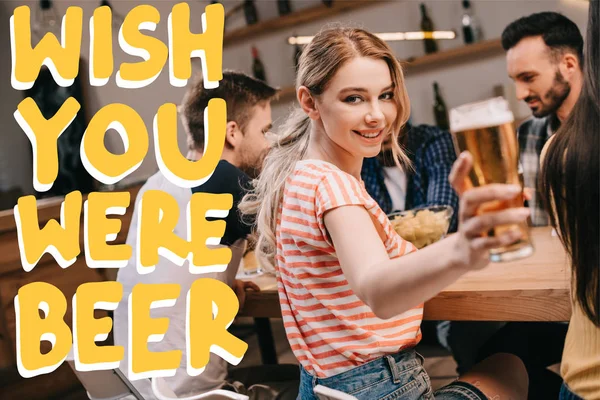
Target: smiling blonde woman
351,289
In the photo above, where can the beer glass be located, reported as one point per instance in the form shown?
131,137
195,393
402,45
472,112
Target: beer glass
251,266
485,129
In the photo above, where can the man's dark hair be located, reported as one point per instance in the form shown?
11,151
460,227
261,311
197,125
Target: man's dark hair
239,91
559,33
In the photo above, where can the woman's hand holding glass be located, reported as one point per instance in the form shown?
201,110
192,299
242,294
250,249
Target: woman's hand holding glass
472,246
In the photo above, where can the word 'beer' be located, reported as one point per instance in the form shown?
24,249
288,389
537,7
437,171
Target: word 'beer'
485,129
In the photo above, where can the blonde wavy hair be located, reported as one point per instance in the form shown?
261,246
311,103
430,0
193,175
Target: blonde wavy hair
329,50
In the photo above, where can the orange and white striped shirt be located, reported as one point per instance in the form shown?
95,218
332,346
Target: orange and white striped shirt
329,328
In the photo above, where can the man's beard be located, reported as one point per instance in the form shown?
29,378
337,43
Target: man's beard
252,168
553,98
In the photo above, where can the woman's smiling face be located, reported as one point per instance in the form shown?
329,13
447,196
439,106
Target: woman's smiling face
358,108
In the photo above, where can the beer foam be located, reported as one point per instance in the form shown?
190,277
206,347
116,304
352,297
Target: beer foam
481,114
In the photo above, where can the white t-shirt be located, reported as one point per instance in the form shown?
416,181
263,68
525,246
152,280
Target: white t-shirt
166,272
396,182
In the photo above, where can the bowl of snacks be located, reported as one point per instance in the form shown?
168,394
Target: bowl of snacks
422,226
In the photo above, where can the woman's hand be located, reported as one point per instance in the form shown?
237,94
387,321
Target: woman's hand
471,247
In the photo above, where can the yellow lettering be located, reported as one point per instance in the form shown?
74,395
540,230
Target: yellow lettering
101,48
179,170
133,42
62,59
205,232
158,216
60,240
43,135
143,329
87,329
98,230
103,165
208,46
31,328
215,305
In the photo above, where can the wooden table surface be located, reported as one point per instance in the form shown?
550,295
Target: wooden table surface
531,289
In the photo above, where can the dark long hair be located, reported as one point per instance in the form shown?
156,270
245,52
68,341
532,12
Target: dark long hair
569,180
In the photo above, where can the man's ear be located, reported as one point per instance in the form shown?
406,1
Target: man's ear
570,65
307,102
233,134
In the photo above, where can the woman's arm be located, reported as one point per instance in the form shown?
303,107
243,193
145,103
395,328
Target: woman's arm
390,287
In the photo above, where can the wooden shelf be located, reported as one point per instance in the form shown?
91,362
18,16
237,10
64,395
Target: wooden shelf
287,92
296,18
430,61
456,55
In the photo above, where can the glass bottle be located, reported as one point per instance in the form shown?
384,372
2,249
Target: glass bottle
470,28
258,69
250,12
427,26
439,109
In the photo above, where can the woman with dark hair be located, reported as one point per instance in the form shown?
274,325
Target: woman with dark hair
569,181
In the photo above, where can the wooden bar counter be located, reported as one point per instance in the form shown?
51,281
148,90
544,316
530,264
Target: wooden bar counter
531,289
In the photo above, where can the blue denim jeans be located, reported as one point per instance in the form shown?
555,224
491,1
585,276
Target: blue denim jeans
566,394
398,376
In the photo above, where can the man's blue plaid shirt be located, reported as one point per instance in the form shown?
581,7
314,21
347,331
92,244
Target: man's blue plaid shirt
432,154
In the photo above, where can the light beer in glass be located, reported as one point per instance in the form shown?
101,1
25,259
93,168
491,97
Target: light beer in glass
485,129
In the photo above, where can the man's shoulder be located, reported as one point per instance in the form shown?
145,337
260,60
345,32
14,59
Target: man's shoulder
427,130
534,125
226,168
226,178
427,135
158,181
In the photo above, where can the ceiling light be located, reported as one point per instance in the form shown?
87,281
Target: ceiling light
388,36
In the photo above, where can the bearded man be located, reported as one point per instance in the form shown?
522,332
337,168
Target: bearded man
544,57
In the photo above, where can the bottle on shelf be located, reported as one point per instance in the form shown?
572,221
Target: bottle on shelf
328,3
258,69
439,109
470,27
250,12
284,7
427,26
